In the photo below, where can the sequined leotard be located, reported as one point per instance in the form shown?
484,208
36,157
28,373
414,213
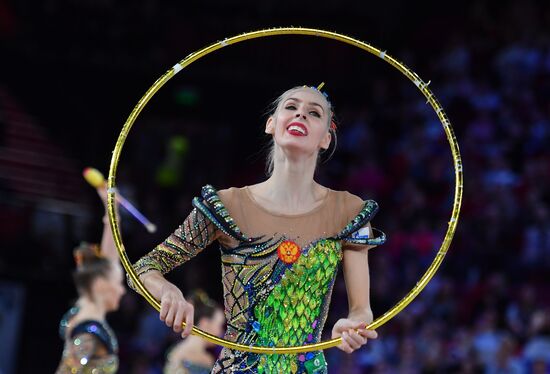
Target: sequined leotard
277,270
186,367
90,347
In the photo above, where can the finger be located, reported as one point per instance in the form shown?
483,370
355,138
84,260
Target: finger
189,320
178,320
358,325
169,321
340,328
356,338
164,308
336,333
344,346
347,325
350,340
369,334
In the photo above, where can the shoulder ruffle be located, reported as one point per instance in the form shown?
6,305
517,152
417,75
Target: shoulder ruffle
216,212
96,329
353,232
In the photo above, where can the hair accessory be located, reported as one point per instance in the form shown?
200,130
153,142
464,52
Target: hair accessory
204,298
96,249
318,88
78,258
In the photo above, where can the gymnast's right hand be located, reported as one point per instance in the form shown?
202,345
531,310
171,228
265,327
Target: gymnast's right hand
174,309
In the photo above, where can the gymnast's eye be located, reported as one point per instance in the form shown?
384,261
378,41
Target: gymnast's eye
315,114
290,107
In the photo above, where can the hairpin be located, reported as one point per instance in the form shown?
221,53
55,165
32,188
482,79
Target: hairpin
77,258
333,126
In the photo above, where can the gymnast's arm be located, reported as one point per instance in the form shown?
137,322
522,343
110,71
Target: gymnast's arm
357,278
108,247
190,238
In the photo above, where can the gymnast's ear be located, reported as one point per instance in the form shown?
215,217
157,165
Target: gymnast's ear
269,126
325,142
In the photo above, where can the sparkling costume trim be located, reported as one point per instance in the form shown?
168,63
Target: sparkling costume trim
91,347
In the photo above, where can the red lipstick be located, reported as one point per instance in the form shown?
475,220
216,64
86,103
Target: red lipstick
297,129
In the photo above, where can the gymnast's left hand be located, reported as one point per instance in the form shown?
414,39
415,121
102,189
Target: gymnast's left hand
353,333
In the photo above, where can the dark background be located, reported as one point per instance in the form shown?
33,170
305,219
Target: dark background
73,70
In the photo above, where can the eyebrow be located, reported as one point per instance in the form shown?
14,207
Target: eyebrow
310,103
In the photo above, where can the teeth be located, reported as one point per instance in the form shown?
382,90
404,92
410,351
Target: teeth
297,128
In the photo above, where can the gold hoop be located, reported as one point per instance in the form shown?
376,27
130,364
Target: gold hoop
420,84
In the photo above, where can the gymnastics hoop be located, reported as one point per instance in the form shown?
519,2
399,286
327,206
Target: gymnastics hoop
420,84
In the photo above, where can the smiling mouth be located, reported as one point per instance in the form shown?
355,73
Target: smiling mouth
297,129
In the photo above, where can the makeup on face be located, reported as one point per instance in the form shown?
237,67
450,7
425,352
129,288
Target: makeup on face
305,110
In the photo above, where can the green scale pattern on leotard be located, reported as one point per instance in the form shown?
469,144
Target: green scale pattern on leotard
290,314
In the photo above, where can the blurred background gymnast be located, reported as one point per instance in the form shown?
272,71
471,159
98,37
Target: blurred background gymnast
90,344
192,356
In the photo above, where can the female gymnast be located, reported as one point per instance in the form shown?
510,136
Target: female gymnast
90,344
281,243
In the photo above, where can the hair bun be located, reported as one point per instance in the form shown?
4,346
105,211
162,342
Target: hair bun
86,253
203,304
90,265
199,296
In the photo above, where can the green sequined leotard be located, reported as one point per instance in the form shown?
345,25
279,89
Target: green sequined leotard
270,300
